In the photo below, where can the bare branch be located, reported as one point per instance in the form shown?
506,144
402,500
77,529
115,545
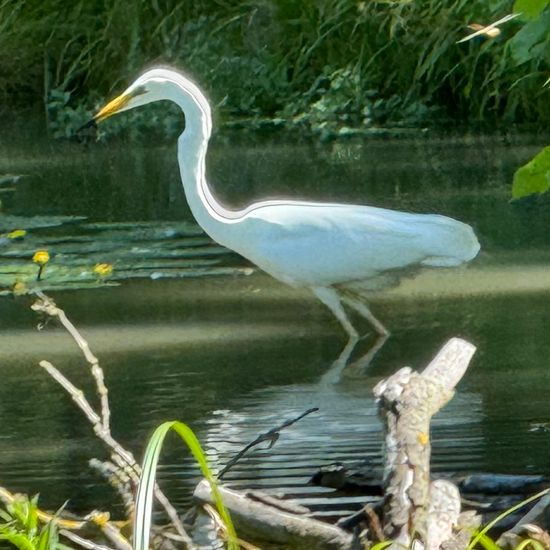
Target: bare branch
46,305
84,543
101,424
271,435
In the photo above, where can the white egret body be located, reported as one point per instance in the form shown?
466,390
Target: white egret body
326,247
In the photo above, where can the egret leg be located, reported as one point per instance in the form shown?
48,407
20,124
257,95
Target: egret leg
360,307
331,299
383,333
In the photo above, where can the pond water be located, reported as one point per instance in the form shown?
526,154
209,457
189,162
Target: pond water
235,353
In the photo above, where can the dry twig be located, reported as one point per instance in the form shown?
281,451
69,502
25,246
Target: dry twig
101,422
271,435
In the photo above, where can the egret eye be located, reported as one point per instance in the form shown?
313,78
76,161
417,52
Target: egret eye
140,90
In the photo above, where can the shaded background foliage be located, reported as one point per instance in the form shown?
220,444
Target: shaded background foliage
324,64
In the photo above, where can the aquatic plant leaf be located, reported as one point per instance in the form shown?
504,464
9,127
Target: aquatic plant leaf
144,498
530,9
9,222
533,177
19,541
134,250
9,179
530,544
530,41
488,543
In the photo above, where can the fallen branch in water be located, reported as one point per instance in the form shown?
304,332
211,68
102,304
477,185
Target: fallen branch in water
274,524
415,508
271,435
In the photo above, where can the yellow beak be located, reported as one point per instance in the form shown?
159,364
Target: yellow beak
112,107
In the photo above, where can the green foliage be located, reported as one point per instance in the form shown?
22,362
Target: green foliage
323,65
533,177
530,9
20,527
488,543
144,498
530,544
381,545
482,538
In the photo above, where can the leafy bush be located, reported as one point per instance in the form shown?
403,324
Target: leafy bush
329,62
20,527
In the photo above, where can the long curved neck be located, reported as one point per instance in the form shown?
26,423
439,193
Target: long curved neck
211,215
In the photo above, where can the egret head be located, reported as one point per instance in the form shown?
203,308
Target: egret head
141,92
157,84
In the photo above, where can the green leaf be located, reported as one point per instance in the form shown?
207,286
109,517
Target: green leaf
19,541
488,543
530,41
533,177
530,543
48,537
144,498
381,545
530,9
482,534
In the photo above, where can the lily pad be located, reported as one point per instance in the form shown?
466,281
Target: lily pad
153,250
9,222
10,179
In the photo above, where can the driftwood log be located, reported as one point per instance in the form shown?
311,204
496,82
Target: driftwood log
275,521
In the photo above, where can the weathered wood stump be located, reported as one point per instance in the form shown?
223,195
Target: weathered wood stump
415,506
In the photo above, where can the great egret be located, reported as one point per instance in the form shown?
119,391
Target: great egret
326,247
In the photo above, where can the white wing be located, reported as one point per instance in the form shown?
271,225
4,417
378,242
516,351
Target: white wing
324,244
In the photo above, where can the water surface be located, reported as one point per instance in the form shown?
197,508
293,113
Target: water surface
234,355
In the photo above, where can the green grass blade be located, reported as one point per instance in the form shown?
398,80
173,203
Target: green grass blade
144,498
19,541
381,545
535,544
488,543
511,510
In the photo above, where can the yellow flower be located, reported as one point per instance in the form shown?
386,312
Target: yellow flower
41,257
103,270
17,234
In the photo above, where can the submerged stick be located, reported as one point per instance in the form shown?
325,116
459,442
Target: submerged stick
271,435
407,401
261,521
82,542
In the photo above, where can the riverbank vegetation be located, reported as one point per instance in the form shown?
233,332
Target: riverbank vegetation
328,67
